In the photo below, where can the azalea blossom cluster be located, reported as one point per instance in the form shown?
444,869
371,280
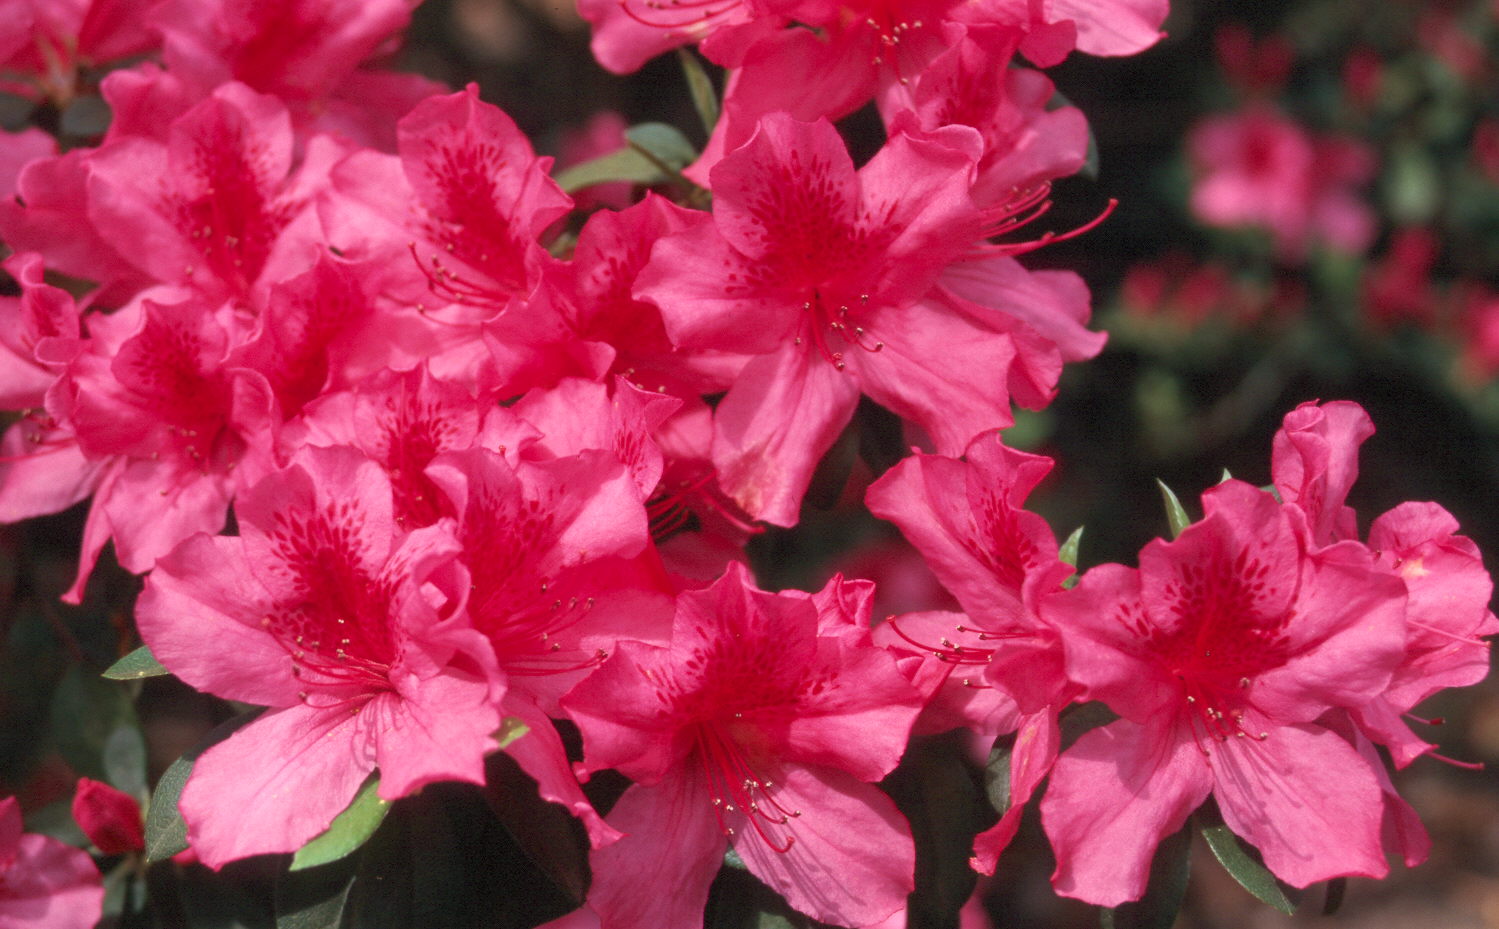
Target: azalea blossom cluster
489,464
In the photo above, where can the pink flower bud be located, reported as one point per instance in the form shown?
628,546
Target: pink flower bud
110,818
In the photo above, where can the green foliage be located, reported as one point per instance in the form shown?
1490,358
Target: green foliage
138,664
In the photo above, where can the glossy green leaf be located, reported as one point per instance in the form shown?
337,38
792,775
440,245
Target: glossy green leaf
138,664
1250,874
700,86
1176,514
349,829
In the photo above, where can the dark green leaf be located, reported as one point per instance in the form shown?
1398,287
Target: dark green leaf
86,711
934,789
997,772
349,829
1336,888
1081,718
1176,515
139,663
655,153
1250,874
125,761
166,833
1164,893
85,117
441,859
700,86
239,896
56,820
314,898
547,834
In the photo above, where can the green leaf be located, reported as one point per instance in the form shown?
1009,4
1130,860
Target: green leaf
1225,477
166,833
1164,893
655,153
349,829
1250,874
700,86
627,165
86,711
1068,554
138,664
1068,551
997,772
664,144
1176,515
85,118
314,898
125,760
1336,888
545,833
935,789
511,728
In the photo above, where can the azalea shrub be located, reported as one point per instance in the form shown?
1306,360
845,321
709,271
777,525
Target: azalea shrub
413,529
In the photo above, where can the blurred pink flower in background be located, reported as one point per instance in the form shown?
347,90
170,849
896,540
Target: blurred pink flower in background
1256,168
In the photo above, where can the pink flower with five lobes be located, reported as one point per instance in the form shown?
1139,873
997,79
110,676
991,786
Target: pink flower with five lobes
831,264
1221,654
353,633
759,726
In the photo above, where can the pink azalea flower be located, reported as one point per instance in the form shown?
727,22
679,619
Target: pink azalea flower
759,726
1314,465
832,265
403,421
1000,665
351,630
298,50
180,428
462,206
551,547
47,42
1026,143
44,884
1220,654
